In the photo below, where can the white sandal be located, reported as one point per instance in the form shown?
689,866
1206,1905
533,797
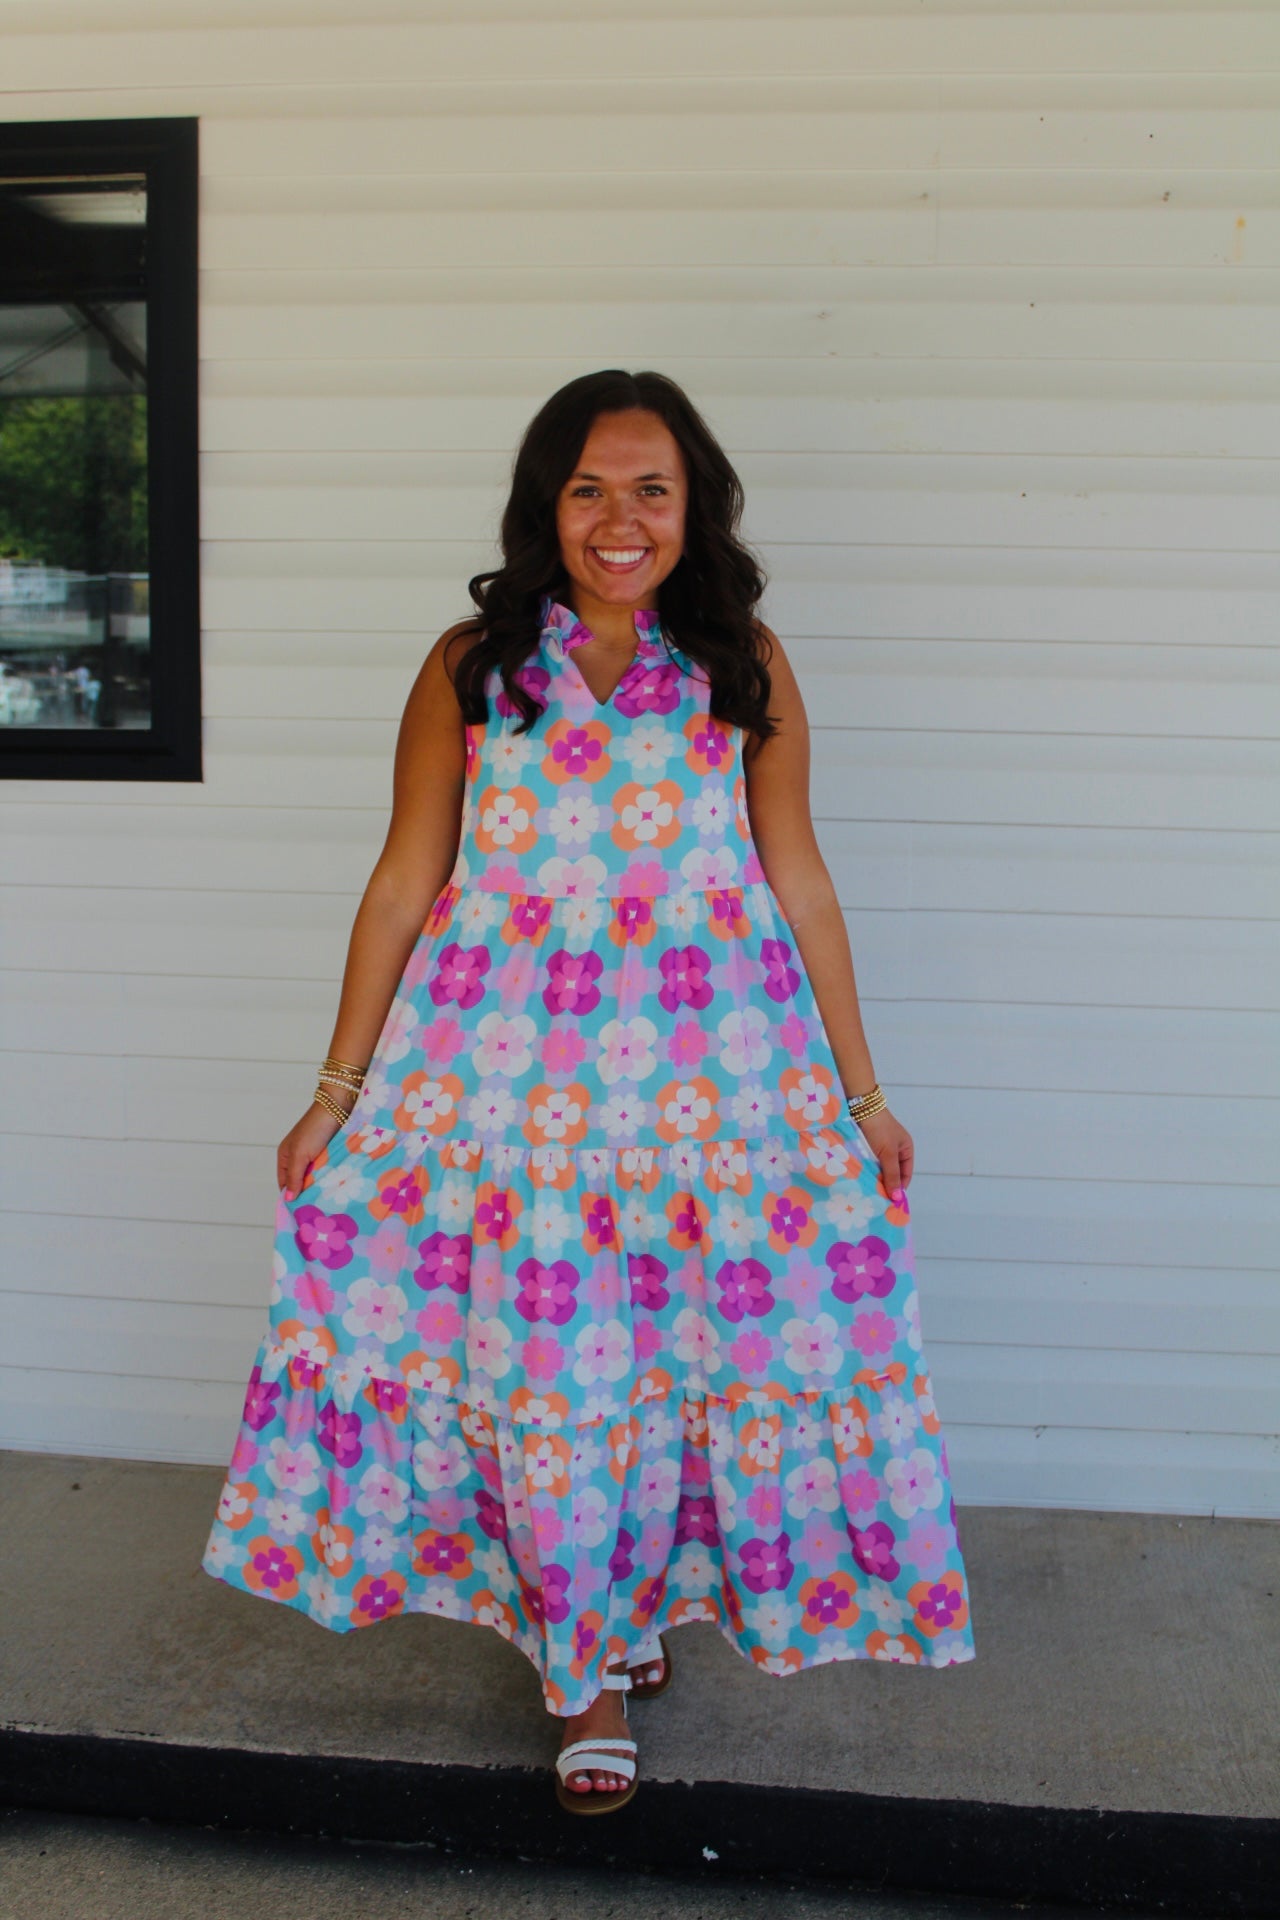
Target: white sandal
599,1756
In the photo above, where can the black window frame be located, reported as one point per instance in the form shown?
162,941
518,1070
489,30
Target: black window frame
166,153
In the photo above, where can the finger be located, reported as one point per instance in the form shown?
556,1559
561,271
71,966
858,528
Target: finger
889,1171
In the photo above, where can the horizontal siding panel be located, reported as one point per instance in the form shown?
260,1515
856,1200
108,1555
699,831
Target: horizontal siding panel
1117,1220
1181,1052
1029,959
1226,1474
1001,1304
1028,1133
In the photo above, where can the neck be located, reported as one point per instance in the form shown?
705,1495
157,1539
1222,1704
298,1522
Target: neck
610,624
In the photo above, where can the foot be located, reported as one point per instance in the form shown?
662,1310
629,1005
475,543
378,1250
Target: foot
649,1672
603,1720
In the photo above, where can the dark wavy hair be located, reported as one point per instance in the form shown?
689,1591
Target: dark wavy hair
707,602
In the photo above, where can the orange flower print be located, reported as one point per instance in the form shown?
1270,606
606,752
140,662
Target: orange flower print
441,910
789,1218
634,922
688,1109
504,820
689,1217
940,1605
576,750
829,1601
377,1597
760,1448
235,1508
429,1103
922,1387
442,1556
497,1215
711,747
332,1544
600,1222
401,1195
648,816
546,1463
557,1115
728,914
810,1095
851,1430
622,1448
895,1646
271,1568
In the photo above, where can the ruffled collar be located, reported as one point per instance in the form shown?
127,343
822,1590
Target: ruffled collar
562,623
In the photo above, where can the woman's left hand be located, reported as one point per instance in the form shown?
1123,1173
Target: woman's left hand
893,1148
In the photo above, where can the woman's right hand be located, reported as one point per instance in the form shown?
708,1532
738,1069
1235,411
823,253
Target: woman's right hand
303,1144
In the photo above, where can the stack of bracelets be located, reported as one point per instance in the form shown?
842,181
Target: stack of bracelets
866,1104
338,1073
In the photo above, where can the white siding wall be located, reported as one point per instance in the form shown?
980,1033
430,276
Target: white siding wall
983,304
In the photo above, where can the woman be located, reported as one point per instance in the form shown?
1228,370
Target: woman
593,1309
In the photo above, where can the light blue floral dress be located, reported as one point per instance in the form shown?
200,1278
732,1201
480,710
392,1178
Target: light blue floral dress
596,1317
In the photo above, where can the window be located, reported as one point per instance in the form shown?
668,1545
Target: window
99,523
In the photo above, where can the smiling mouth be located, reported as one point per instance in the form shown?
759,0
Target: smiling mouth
620,559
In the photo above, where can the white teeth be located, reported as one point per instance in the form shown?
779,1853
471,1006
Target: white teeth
623,556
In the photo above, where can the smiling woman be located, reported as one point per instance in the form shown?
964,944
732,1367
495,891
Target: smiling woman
595,1310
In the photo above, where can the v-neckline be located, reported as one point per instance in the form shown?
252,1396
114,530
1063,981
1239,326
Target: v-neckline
572,633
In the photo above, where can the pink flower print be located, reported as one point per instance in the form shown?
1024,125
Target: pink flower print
696,1520
604,1353
444,1260
764,1506
439,1322
656,689
873,1549
577,750
339,1434
861,1492
648,1341
780,977
744,1288
260,1401
572,980
687,1045
529,915
872,1333
441,1040
644,880
542,1357
546,1290
929,1541
621,1564
648,1278
793,1034
913,1483
313,1294
752,1351
684,973
501,876
766,1564
491,1517
324,1237
861,1269
459,975
944,1605
494,1214
788,1216
548,1529
563,1049
555,1593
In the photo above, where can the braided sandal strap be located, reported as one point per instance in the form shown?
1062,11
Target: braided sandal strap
597,1756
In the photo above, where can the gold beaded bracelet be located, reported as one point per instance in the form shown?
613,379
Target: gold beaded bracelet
321,1099
865,1104
342,1070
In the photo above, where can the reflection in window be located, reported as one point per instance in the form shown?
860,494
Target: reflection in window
74,563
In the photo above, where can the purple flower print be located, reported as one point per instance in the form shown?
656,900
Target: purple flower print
536,679
444,1260
656,690
585,1638
873,1549
648,1276
577,750
572,983
339,1434
260,1401
621,1563
780,977
861,1269
459,975
744,1288
444,1554
787,1217
546,1290
766,1564
530,915
324,1237
943,1605
632,916
555,1593
684,973
491,1517
696,1520
599,1220
829,1602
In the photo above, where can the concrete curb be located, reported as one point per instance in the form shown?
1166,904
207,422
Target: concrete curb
1176,1863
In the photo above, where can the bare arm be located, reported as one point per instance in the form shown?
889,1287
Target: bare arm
777,776
416,860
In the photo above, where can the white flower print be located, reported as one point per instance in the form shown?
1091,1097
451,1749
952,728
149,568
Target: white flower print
324,1603
911,1314
735,1228
813,1346
694,1571
712,810
750,1106
551,1224
811,1488
626,1050
658,1426
563,878
399,1024
913,1483
342,1186
284,1516
574,818
696,1340
647,748
505,1044
377,1307
492,1111
222,1553
440,1598
726,1498
708,867
623,1115
604,1353
475,913
896,1421
771,1621
455,1206
493,1565
658,1487
488,1347
508,757
884,1605
848,1210
638,1223
744,1041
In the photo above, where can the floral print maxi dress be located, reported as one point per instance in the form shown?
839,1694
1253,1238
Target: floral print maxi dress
595,1317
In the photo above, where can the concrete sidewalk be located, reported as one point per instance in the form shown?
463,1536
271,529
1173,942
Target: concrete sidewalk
1116,1741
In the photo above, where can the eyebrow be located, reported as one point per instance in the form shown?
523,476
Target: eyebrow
639,477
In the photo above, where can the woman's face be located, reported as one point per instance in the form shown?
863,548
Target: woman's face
620,515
